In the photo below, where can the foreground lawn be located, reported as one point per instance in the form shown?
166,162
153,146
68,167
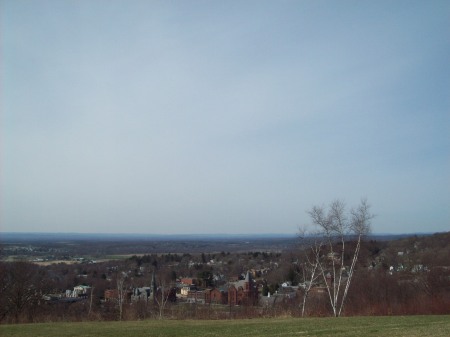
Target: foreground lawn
349,326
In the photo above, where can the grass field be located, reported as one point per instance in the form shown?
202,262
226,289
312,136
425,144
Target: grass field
352,326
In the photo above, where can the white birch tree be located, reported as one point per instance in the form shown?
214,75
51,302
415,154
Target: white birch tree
308,268
90,301
161,298
335,227
121,294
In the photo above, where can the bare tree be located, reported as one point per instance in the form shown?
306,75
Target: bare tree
22,286
161,298
334,228
308,268
5,284
90,301
121,293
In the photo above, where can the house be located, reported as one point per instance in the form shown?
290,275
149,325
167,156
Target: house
111,295
197,296
189,281
288,292
141,294
78,291
184,292
281,297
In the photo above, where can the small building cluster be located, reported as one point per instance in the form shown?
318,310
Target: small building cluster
78,293
234,293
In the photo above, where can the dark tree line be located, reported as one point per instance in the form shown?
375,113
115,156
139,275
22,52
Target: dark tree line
22,286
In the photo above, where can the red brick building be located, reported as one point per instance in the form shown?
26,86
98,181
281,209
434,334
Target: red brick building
217,296
243,292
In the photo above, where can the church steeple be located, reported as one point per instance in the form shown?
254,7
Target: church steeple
248,281
248,277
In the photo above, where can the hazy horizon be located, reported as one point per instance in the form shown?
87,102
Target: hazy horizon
222,116
244,234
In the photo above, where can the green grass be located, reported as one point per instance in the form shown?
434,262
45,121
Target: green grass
350,326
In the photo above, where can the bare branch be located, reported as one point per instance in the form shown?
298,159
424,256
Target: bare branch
361,219
337,218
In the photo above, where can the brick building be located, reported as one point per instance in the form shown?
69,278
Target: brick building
243,292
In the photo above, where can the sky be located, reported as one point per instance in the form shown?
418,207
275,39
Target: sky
206,117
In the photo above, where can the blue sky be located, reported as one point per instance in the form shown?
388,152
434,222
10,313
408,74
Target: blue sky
222,116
